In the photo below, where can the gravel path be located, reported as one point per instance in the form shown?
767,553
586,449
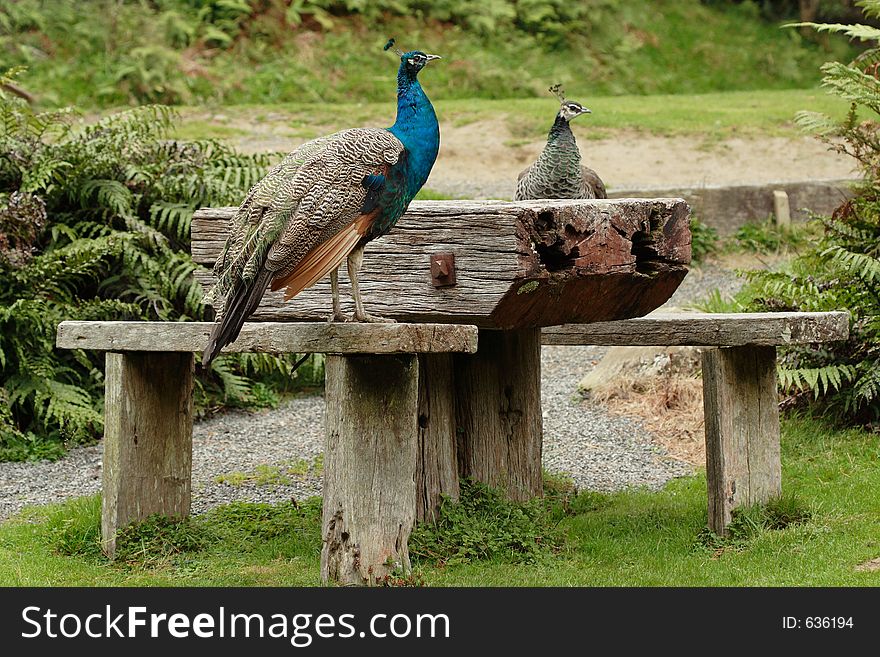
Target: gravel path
266,456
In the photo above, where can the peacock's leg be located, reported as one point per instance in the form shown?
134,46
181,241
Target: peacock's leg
355,259
337,315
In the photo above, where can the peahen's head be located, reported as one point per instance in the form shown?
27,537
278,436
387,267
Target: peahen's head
414,61
571,109
568,108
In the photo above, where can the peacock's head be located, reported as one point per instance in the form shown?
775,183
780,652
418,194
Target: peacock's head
568,108
411,62
415,60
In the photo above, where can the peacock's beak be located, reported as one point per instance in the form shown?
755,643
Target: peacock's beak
431,58
585,110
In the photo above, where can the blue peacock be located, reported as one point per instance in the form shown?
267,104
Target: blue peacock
558,172
321,205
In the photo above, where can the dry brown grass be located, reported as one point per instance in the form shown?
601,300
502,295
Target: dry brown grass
669,406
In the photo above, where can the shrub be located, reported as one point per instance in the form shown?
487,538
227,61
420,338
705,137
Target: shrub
841,270
94,225
704,240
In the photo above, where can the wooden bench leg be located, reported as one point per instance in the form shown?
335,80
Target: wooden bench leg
369,466
437,466
742,430
498,412
147,465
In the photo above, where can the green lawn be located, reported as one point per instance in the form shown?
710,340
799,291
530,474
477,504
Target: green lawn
716,115
635,538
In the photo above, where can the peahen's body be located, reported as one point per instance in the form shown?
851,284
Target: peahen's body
320,205
558,172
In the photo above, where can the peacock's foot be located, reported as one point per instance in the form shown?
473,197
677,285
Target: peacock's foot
338,316
374,319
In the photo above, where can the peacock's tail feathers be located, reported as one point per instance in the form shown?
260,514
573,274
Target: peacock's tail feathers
324,258
306,199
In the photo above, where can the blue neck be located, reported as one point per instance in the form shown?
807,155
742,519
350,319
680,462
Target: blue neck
417,128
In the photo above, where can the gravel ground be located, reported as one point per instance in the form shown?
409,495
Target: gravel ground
263,453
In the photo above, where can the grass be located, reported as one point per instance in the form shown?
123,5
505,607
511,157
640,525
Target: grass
634,538
133,52
274,475
711,117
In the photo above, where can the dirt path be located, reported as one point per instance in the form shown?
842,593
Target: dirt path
482,159
632,160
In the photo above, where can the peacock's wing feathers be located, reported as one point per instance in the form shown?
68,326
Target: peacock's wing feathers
305,200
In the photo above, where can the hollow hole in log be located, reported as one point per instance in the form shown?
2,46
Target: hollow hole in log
644,248
344,536
554,258
423,420
545,220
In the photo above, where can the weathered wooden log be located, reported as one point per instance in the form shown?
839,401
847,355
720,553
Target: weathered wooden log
437,466
498,412
743,464
370,458
272,337
517,265
705,330
147,439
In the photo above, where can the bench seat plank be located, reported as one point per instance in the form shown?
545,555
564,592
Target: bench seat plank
705,330
273,337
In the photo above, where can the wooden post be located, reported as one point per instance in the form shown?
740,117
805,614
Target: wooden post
147,465
742,430
369,466
498,412
437,468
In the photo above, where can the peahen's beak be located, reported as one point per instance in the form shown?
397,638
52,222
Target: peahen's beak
585,110
431,58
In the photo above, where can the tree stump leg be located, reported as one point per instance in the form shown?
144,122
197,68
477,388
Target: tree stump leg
437,468
743,465
498,412
147,466
369,466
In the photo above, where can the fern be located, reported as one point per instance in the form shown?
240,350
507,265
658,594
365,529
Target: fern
841,269
94,224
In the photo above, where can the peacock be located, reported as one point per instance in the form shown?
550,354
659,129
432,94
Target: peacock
558,172
321,205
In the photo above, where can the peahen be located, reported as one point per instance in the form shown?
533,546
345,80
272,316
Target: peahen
558,172
321,205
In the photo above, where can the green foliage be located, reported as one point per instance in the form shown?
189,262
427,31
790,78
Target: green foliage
841,270
94,225
704,240
768,237
248,51
749,523
74,529
159,538
483,525
716,303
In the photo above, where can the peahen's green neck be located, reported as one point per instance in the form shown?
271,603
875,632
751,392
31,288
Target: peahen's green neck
417,128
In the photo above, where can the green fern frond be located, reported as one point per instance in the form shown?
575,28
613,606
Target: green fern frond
861,32
863,266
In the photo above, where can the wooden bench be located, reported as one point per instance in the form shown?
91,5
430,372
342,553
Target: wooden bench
412,408
375,440
739,388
